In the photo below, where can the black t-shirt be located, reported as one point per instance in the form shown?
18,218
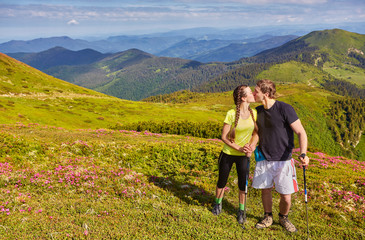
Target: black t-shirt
276,137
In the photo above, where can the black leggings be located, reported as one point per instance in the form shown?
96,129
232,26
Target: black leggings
225,163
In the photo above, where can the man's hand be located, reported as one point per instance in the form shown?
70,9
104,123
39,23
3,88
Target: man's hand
304,159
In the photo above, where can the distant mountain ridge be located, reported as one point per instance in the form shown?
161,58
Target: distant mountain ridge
156,42
153,43
236,51
42,44
59,56
223,50
168,46
110,45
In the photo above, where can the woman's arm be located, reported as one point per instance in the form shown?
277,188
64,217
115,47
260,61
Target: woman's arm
225,131
251,145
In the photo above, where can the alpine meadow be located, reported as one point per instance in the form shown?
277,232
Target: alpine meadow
126,145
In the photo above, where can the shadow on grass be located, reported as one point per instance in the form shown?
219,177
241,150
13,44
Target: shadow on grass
192,194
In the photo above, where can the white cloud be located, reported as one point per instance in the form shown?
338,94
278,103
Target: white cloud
148,15
73,22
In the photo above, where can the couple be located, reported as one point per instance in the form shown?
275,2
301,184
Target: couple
273,125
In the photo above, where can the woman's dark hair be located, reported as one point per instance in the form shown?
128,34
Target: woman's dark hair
238,94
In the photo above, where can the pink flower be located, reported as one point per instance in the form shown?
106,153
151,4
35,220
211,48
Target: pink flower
86,232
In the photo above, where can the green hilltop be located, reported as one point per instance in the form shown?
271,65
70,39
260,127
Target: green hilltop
337,41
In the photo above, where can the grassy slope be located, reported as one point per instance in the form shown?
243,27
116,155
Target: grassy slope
293,72
346,72
30,96
60,184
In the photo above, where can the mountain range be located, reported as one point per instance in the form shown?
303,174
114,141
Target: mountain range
175,46
318,58
156,42
151,43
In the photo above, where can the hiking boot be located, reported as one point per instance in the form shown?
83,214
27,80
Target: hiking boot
284,221
217,209
240,217
265,222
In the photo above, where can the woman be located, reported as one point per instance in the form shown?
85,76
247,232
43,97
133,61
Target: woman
237,131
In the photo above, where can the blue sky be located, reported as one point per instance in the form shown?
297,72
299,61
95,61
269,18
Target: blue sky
28,19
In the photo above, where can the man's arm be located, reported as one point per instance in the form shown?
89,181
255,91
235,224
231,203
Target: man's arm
303,140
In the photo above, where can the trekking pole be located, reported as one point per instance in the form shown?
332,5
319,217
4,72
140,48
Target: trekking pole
306,201
246,191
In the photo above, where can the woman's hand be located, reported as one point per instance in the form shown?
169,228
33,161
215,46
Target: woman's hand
247,149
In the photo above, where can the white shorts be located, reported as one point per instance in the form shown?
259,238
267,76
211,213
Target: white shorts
282,173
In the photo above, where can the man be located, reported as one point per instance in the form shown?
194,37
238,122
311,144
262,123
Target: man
277,122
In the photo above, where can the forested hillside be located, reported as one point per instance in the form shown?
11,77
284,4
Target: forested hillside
347,122
135,75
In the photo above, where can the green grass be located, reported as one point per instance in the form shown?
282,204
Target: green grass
96,112
293,72
361,146
346,72
69,184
